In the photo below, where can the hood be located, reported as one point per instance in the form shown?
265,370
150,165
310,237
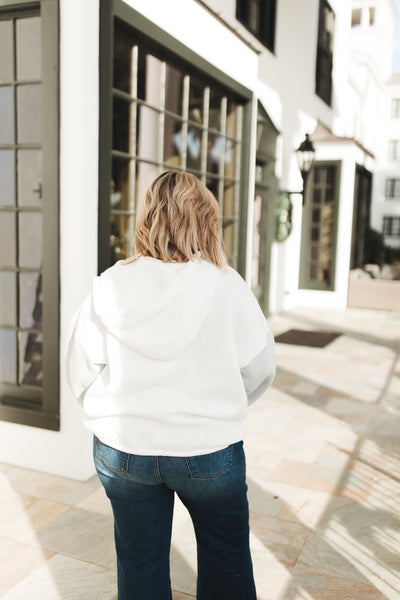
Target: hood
156,308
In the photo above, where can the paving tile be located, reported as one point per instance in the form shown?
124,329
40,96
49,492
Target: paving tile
37,515
64,578
284,539
80,534
306,584
34,483
18,561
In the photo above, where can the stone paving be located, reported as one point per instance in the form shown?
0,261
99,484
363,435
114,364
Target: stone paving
323,456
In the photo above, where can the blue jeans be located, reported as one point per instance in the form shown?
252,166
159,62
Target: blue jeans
213,489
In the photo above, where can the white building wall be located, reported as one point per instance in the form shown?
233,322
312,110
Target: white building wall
387,169
68,452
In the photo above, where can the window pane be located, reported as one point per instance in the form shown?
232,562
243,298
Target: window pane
6,115
148,133
194,147
196,100
6,51
144,176
122,113
7,174
121,184
8,363
7,239
214,115
31,359
28,48
29,113
121,237
229,238
30,300
231,120
215,148
149,79
229,200
172,141
212,184
30,239
231,156
29,177
174,90
123,63
7,299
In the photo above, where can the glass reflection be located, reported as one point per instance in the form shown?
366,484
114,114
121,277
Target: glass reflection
231,120
6,51
30,239
8,362
7,239
30,300
7,299
148,133
121,184
196,101
29,113
149,79
172,141
29,177
7,191
31,358
28,48
6,115
174,90
121,237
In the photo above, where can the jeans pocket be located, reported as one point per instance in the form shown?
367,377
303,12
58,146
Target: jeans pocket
112,459
210,466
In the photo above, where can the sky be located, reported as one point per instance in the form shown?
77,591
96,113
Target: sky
396,59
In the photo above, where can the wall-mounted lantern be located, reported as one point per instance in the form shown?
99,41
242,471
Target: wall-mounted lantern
305,154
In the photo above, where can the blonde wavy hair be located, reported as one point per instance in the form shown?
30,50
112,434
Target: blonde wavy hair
178,221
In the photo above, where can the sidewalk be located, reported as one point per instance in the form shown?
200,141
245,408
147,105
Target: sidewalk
323,455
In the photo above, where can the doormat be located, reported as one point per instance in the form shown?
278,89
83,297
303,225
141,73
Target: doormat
303,337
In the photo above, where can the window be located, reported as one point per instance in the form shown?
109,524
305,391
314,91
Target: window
391,226
326,27
167,114
393,188
29,216
258,16
356,17
394,150
317,265
395,113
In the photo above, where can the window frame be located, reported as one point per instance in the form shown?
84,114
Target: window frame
395,108
266,29
324,79
152,35
389,223
304,280
392,188
28,406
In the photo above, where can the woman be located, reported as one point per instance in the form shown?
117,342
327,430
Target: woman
166,353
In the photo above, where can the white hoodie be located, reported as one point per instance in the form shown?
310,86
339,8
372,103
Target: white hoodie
166,357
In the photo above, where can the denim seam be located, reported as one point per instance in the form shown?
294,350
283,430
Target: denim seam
117,471
192,470
157,467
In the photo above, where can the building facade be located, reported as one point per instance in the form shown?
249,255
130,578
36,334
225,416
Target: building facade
97,97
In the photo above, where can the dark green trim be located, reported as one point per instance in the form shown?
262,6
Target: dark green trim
304,282
244,189
168,44
106,39
24,415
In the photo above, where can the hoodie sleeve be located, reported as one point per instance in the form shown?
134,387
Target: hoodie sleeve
254,344
86,355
